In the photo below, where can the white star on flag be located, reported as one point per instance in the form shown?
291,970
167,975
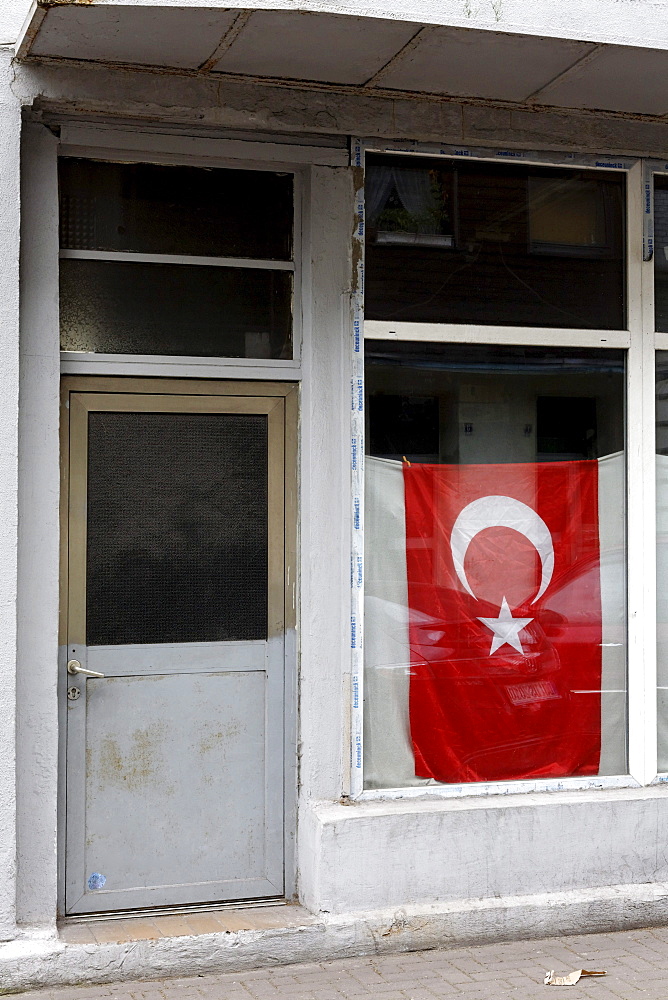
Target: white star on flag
506,629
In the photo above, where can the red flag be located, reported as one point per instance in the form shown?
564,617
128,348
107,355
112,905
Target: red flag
502,686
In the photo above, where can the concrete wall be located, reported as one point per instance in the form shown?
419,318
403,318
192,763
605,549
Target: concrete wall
391,854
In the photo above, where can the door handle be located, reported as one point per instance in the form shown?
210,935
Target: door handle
74,667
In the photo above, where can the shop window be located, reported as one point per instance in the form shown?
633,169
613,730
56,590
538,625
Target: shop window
173,260
661,252
469,242
662,553
495,641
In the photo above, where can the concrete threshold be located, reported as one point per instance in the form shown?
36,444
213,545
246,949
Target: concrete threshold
143,948
184,923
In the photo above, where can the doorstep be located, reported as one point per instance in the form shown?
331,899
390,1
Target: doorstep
123,930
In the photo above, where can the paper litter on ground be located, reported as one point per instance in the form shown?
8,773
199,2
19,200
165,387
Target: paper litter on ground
571,979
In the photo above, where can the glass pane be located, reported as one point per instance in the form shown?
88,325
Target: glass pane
177,527
495,642
489,243
661,253
662,549
146,208
127,308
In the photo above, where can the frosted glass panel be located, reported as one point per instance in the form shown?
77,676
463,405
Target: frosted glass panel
146,208
177,527
131,308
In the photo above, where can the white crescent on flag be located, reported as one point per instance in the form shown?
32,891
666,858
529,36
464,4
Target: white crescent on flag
501,512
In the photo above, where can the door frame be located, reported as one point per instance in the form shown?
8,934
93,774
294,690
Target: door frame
120,385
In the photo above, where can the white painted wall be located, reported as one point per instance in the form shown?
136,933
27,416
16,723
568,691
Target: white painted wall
38,555
9,385
12,16
325,528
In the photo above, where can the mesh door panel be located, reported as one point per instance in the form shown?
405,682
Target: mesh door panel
177,528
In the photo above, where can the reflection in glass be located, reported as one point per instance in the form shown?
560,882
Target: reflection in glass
662,552
661,252
168,309
495,644
471,242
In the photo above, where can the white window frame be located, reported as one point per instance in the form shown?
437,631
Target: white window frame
639,341
114,144
655,340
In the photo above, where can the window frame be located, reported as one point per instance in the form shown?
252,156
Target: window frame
638,342
657,341
109,145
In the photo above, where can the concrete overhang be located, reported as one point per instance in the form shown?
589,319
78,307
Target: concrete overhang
328,44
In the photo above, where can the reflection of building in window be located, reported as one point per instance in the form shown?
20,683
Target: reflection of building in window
474,405
661,409
571,218
661,252
409,206
494,244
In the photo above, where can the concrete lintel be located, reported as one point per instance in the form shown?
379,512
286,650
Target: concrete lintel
77,89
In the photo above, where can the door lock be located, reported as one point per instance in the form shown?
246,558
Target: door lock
74,667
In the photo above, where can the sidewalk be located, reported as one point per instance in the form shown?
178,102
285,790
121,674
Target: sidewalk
636,962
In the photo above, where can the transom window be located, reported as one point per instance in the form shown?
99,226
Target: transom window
176,260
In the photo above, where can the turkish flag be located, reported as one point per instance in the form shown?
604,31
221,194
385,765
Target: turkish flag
503,684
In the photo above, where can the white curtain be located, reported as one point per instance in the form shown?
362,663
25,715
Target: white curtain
412,185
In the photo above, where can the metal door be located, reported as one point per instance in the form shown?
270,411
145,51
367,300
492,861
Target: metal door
173,663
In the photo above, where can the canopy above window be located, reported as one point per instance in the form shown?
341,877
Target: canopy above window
369,53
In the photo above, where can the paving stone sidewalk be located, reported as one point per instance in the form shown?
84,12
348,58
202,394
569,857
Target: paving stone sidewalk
636,963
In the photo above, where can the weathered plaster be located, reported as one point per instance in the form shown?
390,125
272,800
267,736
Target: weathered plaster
201,102
9,356
12,17
37,724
